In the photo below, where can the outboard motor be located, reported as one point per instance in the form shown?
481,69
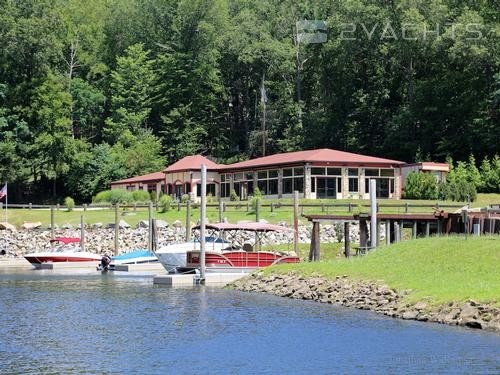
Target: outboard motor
105,261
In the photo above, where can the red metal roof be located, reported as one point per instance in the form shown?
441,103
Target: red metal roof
65,240
150,177
192,163
324,155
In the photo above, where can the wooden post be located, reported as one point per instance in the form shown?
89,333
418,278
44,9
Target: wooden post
30,206
387,232
52,222
363,234
188,220
84,207
373,214
150,226
257,210
221,211
315,243
378,232
203,209
347,240
296,222
406,207
427,228
401,227
116,229
439,226
82,233
414,230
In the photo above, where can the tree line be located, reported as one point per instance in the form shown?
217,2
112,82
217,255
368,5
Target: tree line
96,91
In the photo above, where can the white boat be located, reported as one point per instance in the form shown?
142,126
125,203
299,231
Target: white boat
173,256
67,251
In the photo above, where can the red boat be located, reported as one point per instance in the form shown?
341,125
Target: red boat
246,258
68,251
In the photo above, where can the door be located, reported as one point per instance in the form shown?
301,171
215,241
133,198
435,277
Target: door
326,187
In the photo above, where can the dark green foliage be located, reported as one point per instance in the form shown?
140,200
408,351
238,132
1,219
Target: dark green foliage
420,186
165,77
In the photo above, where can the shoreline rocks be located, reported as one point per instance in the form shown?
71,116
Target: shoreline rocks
366,295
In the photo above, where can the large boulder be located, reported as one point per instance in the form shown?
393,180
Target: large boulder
34,225
7,226
161,224
142,224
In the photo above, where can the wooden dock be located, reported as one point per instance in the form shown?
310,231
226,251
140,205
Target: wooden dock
148,267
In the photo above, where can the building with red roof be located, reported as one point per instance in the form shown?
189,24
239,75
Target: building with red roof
439,170
322,173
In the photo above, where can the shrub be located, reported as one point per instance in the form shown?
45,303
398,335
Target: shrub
420,186
165,203
234,197
185,198
141,196
69,203
102,197
257,197
210,198
118,196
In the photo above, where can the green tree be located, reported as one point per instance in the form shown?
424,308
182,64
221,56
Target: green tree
132,86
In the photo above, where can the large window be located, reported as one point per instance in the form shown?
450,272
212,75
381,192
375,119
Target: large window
353,185
293,179
225,186
267,181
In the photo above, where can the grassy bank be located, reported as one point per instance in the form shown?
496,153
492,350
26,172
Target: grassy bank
233,213
438,269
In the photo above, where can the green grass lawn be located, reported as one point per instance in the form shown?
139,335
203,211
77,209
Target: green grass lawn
439,269
233,213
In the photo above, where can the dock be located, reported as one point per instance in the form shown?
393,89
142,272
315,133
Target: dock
68,265
148,267
217,279
15,263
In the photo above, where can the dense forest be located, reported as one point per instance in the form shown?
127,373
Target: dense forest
99,90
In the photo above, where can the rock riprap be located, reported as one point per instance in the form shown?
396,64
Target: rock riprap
368,295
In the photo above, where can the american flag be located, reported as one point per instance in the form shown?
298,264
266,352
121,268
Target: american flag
3,192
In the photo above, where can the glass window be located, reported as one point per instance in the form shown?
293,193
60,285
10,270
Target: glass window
224,190
262,184
287,186
287,172
298,184
313,185
353,185
352,172
298,171
273,187
387,172
334,171
262,175
339,185
371,172
249,176
273,174
222,178
238,176
317,171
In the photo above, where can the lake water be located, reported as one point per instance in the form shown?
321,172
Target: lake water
87,323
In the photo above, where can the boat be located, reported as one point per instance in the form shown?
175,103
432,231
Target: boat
246,259
67,250
173,256
140,256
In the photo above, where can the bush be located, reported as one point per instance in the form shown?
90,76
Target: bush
102,197
210,198
165,203
257,197
234,197
458,190
69,203
140,196
185,198
119,196
420,186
